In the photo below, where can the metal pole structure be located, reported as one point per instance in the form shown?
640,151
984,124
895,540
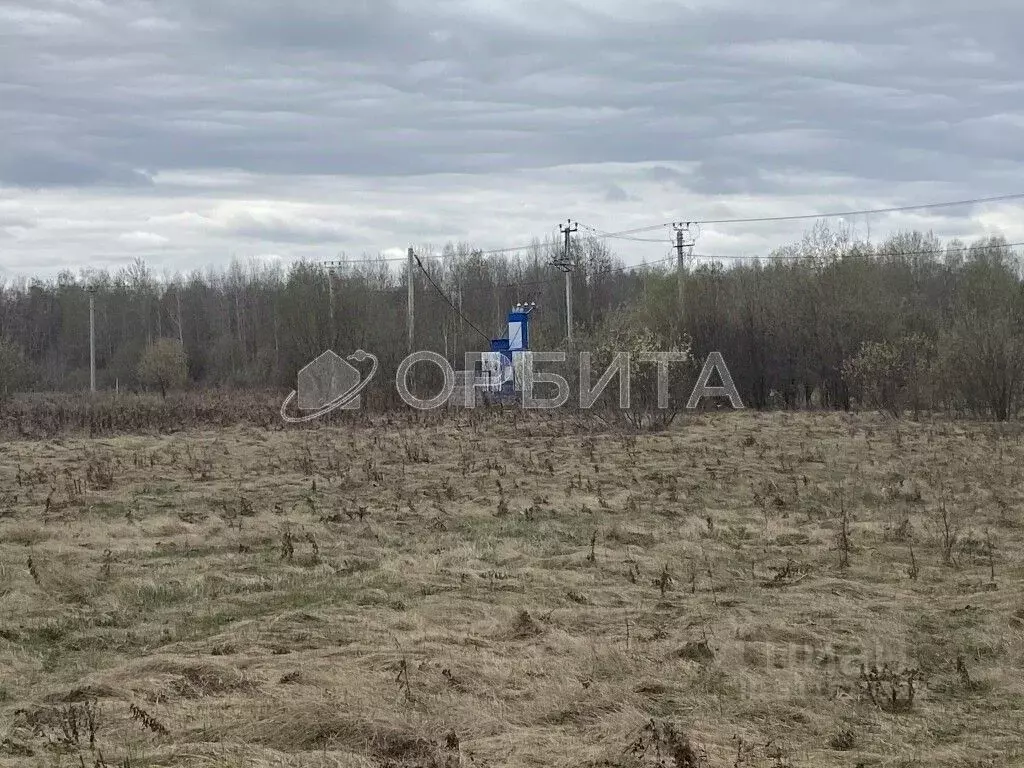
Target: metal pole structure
679,265
410,313
682,243
565,264
92,340
568,307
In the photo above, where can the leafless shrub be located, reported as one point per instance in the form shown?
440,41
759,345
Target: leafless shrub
314,545
664,581
32,570
788,574
106,563
667,746
889,689
99,472
843,740
913,570
147,721
55,415
287,544
75,724
843,543
949,534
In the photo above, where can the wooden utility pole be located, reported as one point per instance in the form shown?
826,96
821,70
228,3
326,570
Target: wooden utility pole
331,266
565,264
177,300
92,340
410,314
330,302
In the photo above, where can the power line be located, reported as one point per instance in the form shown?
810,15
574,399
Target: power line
755,257
510,249
662,240
628,234
780,257
598,273
868,212
449,301
395,259
832,215
872,254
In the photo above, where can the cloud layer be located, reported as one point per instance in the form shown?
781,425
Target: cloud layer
191,132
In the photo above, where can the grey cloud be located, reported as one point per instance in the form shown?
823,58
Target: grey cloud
616,194
423,226
730,176
743,94
52,169
10,220
283,229
666,175
389,88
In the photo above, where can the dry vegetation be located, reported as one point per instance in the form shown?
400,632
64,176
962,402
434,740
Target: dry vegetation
747,591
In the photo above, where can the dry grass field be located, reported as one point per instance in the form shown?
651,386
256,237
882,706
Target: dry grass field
746,590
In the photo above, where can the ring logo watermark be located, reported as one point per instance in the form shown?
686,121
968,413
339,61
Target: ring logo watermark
330,382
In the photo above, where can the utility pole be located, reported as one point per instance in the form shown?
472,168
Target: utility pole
330,301
92,339
684,246
565,264
177,300
410,314
331,266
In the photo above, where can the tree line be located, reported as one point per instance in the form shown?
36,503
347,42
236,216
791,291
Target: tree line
912,323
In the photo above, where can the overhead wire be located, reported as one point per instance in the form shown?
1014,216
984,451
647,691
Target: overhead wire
598,273
866,254
451,304
396,259
629,234
827,215
762,257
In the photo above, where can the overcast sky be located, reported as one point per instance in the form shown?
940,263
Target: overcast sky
189,132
